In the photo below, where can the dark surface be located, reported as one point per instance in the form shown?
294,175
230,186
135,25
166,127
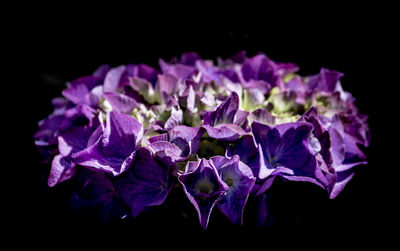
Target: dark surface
64,47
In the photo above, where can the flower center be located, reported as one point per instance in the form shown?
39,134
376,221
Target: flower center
273,161
229,181
204,186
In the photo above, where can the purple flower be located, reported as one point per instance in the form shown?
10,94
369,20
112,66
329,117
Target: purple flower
122,132
339,150
297,86
240,180
203,187
96,189
69,142
226,122
166,86
114,151
145,184
346,154
64,117
121,102
176,145
179,70
189,58
145,71
249,154
87,90
325,81
356,126
286,150
261,68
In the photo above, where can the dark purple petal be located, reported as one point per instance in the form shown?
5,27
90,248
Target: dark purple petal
259,68
321,133
167,152
174,120
204,188
241,119
93,98
284,148
141,90
189,58
239,58
227,132
325,81
96,190
49,129
79,88
81,112
247,152
145,184
121,102
232,75
74,140
286,68
225,112
176,145
167,86
112,79
296,85
180,71
61,170
115,150
101,71
264,186
240,180
342,178
356,126
263,116
146,72
190,135
260,86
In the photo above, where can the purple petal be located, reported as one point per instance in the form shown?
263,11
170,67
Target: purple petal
191,135
175,119
240,180
146,184
225,112
79,88
325,81
189,58
94,96
61,170
342,178
74,140
180,71
227,132
259,68
263,116
167,86
121,102
285,147
115,149
96,191
101,71
204,188
112,79
146,72
81,111
168,153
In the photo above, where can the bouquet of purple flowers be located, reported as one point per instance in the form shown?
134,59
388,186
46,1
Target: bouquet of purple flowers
221,131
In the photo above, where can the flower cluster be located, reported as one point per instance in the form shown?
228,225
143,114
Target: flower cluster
221,131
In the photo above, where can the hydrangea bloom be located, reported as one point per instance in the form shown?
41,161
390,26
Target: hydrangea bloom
220,132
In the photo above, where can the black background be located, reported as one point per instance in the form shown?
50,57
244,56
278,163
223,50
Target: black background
60,45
